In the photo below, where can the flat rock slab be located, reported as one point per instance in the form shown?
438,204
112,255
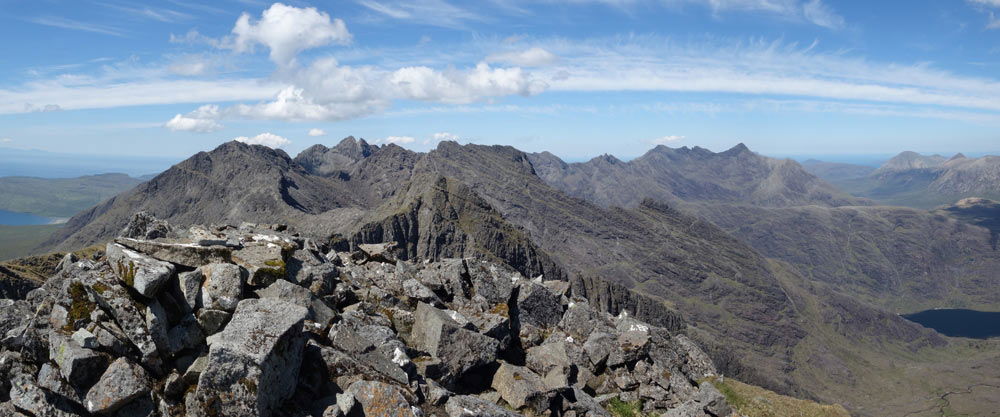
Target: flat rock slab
121,383
114,299
143,273
460,350
187,254
254,366
520,387
222,286
264,260
79,366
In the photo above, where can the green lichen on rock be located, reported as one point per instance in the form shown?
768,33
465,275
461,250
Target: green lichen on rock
274,270
126,272
80,304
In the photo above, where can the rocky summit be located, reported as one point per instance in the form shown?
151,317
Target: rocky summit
256,319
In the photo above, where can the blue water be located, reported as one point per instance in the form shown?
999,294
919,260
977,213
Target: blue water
959,323
11,218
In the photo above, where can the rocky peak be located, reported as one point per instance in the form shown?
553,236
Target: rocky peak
256,320
739,149
909,160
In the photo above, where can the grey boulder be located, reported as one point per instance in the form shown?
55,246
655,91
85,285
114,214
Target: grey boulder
143,273
121,383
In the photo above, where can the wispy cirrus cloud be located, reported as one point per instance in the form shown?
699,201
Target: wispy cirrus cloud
64,23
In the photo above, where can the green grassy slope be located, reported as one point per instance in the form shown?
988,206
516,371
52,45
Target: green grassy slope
19,241
60,197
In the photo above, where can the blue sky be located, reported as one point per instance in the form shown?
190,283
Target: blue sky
575,77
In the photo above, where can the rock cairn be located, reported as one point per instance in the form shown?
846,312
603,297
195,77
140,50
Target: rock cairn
257,320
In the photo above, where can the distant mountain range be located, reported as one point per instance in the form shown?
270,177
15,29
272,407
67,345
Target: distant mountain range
921,181
788,282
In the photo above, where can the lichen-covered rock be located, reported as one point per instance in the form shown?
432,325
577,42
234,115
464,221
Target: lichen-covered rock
222,286
80,366
283,290
265,261
380,399
520,387
143,273
186,254
255,364
26,395
190,286
121,383
472,406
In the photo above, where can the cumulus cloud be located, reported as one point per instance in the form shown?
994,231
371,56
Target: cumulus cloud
202,120
426,84
534,57
316,132
267,139
288,30
665,140
399,140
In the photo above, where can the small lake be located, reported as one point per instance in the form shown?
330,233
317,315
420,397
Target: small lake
11,218
959,322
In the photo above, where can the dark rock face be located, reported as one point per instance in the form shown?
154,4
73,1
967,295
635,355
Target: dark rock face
369,346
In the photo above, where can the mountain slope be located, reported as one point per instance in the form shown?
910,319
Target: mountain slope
233,183
836,171
737,175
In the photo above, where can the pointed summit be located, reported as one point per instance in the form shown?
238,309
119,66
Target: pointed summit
957,157
739,149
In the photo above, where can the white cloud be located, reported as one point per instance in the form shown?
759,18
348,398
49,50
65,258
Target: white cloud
426,84
189,66
288,30
984,5
991,3
267,139
31,108
442,136
666,140
63,23
399,140
820,14
316,132
439,13
534,57
6,140
202,120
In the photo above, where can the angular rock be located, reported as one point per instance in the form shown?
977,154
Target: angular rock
114,299
213,321
222,288
81,367
492,282
472,406
521,388
380,399
254,366
379,252
143,273
190,286
27,396
85,339
185,335
599,346
460,350
538,306
265,261
548,356
187,254
144,226
50,379
121,383
283,290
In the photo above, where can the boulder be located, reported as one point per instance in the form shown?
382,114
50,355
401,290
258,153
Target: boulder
28,396
379,252
213,321
538,306
187,254
80,366
143,273
114,299
222,288
121,383
521,388
254,365
265,261
143,225
283,290
190,286
85,339
50,379
460,350
492,282
380,399
599,346
472,406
